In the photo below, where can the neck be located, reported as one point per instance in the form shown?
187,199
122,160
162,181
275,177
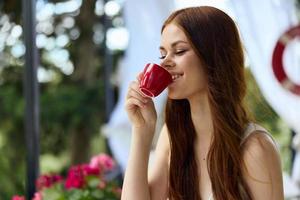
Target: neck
201,116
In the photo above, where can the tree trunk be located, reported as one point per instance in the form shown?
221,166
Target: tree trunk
85,63
86,53
80,145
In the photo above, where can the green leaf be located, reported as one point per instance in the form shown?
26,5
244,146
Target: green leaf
98,194
93,181
52,194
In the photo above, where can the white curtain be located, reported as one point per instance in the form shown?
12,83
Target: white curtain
261,24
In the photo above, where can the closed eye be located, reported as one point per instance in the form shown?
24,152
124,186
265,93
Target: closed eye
180,52
162,57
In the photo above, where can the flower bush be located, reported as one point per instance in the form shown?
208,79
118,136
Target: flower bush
83,182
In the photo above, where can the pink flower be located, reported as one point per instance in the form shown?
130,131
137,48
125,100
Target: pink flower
103,162
88,170
16,197
37,196
75,178
77,174
47,180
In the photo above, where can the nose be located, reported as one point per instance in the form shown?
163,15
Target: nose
167,62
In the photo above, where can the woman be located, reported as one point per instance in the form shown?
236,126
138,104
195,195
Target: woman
207,149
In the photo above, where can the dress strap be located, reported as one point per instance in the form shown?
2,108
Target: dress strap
252,127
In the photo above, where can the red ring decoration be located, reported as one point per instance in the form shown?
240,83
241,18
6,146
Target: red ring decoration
277,60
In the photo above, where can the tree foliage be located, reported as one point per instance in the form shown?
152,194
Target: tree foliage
71,95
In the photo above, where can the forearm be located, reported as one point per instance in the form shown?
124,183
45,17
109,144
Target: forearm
135,184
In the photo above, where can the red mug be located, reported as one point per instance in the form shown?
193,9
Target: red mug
154,80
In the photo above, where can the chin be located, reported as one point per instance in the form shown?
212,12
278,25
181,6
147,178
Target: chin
175,95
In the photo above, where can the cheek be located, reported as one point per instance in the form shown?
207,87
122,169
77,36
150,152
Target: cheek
195,73
196,80
201,79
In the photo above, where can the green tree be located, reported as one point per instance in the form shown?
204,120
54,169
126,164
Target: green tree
71,96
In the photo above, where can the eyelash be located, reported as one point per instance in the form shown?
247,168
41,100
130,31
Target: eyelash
176,53
180,52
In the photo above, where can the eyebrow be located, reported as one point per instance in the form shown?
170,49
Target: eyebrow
174,44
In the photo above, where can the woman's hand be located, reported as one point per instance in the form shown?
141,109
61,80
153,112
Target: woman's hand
140,108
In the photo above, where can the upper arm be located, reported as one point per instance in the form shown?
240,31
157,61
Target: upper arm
262,168
158,173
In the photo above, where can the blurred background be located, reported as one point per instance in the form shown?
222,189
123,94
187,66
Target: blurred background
88,52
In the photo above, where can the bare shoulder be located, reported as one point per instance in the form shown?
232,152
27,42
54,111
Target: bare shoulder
259,144
262,166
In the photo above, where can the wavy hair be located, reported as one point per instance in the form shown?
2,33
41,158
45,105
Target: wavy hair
215,39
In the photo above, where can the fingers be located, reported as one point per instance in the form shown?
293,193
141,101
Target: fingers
134,91
131,102
135,96
139,77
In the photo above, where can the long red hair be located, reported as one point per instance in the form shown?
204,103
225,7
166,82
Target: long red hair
215,39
